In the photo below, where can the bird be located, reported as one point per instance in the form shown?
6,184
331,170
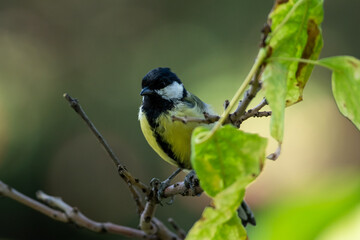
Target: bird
164,96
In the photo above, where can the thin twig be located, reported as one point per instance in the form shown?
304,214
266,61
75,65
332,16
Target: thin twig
263,114
163,232
254,112
259,62
152,225
69,214
226,104
123,172
137,199
10,192
180,232
147,216
208,119
247,98
75,216
179,188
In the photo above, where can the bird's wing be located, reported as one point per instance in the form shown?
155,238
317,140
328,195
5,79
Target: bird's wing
193,101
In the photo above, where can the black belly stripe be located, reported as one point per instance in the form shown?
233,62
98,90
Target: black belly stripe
166,147
153,106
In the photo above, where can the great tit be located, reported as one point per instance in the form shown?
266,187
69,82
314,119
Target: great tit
165,96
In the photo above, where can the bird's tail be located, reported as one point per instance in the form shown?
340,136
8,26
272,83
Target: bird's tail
246,214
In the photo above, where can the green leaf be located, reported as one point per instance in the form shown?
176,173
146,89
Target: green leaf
296,33
345,85
274,77
228,155
308,211
225,164
222,221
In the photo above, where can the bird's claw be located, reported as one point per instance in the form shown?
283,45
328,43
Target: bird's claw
191,180
154,183
158,188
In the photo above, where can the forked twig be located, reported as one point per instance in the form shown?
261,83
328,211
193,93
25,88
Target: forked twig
247,98
148,223
68,214
254,112
123,172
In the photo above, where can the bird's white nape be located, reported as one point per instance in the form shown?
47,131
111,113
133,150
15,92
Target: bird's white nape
172,91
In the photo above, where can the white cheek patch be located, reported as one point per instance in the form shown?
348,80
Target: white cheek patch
172,91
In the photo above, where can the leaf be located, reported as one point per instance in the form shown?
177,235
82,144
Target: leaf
225,164
295,33
230,154
345,85
274,77
222,221
306,212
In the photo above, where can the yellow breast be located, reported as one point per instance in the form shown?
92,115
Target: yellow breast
150,138
176,134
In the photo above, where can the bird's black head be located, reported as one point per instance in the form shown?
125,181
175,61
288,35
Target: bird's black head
161,82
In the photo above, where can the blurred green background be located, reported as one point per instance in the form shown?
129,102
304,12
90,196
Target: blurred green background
98,52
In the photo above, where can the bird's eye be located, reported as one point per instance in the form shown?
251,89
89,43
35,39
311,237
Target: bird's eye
162,84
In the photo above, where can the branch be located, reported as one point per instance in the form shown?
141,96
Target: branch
251,79
255,112
148,211
208,119
148,214
180,232
123,172
150,224
69,214
248,97
262,114
10,192
137,199
164,232
179,188
226,104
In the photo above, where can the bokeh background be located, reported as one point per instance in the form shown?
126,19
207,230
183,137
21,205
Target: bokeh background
98,51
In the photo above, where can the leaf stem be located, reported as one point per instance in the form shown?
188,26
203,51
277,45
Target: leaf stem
259,60
314,62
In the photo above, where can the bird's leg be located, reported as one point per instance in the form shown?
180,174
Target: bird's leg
191,180
161,186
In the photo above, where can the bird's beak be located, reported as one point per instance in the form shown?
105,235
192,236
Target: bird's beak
146,91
